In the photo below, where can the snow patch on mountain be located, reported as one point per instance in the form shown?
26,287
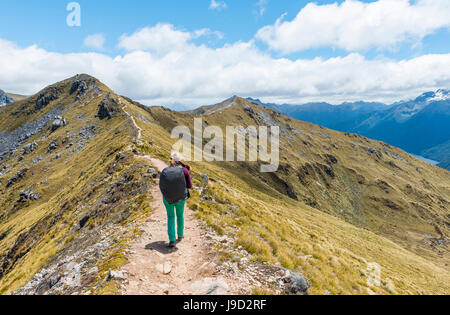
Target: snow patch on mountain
407,110
440,95
5,99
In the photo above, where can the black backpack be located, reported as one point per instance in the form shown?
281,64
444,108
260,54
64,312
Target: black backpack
173,185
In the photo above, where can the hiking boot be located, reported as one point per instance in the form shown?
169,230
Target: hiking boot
171,244
180,239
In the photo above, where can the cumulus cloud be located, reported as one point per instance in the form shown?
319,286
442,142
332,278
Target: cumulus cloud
96,41
162,38
357,26
217,5
196,74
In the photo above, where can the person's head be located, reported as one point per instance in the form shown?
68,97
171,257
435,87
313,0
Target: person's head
176,159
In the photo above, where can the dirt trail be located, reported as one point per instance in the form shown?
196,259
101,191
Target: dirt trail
154,269
133,121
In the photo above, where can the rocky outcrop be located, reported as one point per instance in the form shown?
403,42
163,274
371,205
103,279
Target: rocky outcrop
28,195
53,146
108,108
46,98
19,175
85,134
9,142
29,148
83,84
248,109
80,87
58,123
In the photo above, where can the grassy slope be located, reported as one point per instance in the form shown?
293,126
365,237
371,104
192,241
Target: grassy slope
16,97
70,186
331,253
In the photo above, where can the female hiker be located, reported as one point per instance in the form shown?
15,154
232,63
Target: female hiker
175,182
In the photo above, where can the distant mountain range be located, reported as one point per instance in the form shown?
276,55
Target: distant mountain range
77,185
420,126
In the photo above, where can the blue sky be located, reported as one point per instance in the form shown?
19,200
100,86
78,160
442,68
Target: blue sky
42,24
43,21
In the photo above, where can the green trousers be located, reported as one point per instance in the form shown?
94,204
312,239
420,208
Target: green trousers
171,219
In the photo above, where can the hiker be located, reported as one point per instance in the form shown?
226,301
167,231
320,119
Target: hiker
175,182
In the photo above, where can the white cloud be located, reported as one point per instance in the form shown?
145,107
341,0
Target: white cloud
206,32
96,41
217,5
262,4
162,38
357,26
196,74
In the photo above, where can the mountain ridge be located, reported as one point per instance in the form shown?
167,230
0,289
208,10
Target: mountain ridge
415,126
74,193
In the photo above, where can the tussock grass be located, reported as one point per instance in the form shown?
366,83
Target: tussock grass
364,210
332,244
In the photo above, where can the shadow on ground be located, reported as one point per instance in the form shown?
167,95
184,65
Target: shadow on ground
161,247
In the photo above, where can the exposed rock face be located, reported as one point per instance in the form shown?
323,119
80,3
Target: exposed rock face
28,194
17,177
84,84
53,146
248,109
58,123
46,97
108,108
85,134
29,148
80,87
9,142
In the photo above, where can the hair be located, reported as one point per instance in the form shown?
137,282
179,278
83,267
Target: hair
176,159
173,163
